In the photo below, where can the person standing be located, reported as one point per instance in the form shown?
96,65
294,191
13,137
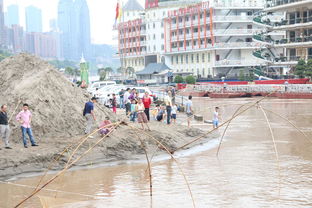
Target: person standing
121,99
168,103
174,113
147,101
189,110
114,103
88,112
127,101
142,119
173,94
24,118
4,126
216,118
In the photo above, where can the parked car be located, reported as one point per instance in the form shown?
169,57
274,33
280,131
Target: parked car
98,85
107,92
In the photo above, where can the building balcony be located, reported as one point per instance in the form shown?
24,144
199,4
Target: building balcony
285,5
291,24
238,5
232,18
216,46
304,41
238,63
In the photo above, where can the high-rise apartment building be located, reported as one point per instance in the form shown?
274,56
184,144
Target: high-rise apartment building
33,19
2,32
296,24
207,38
12,16
74,25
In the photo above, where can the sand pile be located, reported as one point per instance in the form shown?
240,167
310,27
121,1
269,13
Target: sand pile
55,102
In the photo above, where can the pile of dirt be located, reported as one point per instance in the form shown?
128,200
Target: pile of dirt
55,102
57,105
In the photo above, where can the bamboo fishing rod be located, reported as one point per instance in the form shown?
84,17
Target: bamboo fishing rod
233,117
275,150
81,141
66,168
171,155
148,163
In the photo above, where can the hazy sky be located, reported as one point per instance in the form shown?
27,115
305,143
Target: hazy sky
102,14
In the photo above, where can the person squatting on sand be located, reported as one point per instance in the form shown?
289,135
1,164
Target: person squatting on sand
88,112
24,118
4,126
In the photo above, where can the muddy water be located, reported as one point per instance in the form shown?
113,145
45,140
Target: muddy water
244,175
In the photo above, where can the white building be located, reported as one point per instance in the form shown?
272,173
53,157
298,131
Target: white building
296,25
207,38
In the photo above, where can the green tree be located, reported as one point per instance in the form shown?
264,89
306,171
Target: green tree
4,54
308,71
178,79
300,68
69,71
130,71
102,74
108,70
190,80
241,75
63,64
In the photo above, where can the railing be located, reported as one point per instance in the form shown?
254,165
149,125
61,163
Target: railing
232,18
238,63
236,31
238,3
229,45
282,2
297,88
294,40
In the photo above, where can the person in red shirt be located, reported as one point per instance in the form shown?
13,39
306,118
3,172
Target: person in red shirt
147,101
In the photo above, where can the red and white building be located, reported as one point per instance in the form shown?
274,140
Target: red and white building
207,38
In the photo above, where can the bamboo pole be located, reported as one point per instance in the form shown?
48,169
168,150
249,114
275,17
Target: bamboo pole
229,120
282,117
227,126
148,164
65,169
275,150
175,160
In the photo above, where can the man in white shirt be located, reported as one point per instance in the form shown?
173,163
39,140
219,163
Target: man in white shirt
168,103
189,110
127,101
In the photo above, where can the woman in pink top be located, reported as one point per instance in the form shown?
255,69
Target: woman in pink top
24,118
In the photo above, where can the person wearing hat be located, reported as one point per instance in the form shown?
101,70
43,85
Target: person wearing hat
88,112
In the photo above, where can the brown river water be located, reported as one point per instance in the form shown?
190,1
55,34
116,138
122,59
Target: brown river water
245,174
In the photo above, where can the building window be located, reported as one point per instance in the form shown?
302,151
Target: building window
154,14
164,13
149,49
203,57
162,36
197,58
203,72
172,60
148,26
154,37
162,47
177,59
154,25
192,70
192,58
181,59
162,24
208,57
186,58
154,48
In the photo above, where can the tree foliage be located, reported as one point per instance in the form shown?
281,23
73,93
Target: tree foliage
63,64
300,68
178,79
190,80
4,54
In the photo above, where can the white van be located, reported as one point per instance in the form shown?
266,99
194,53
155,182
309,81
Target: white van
98,85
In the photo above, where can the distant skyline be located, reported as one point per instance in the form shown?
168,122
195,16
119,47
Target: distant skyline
102,15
